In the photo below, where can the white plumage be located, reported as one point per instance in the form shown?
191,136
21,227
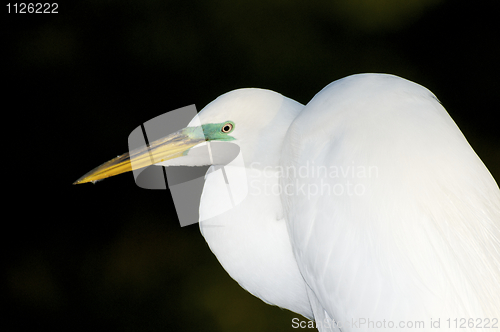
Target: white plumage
422,241
417,236
365,205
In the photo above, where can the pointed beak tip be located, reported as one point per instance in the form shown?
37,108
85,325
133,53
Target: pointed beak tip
80,181
169,147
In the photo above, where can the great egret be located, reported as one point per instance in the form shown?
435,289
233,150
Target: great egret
367,208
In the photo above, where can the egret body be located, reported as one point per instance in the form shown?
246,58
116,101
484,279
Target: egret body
368,202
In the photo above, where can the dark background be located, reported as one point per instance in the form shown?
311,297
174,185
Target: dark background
111,256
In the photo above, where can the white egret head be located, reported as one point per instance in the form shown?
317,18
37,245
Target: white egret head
254,119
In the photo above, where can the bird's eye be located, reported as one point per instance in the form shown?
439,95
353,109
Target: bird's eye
227,127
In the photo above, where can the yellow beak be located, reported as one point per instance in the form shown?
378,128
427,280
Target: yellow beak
166,148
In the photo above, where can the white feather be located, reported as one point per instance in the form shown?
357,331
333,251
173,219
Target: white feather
383,213
420,238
